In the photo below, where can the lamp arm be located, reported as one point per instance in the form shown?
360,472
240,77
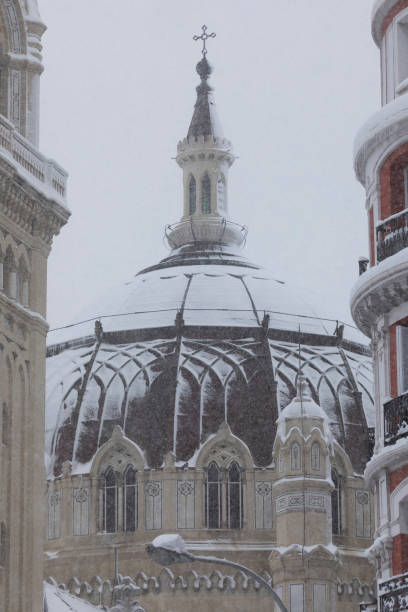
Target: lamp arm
246,571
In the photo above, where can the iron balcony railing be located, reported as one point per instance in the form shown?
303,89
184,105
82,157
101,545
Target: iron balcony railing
396,419
393,594
392,235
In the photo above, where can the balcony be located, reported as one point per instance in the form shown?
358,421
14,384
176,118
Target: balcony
392,235
396,419
393,594
42,173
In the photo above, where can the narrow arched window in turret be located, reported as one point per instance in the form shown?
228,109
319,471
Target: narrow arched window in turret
110,502
130,500
315,457
295,457
234,497
192,196
205,195
213,497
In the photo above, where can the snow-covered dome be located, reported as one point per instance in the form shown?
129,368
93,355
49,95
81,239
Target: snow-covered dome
187,345
201,338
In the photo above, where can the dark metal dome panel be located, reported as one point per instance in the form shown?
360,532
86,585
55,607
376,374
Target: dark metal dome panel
171,395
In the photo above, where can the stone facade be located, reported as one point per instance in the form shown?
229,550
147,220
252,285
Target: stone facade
32,210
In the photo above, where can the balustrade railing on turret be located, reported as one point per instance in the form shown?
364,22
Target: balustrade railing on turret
392,235
395,419
47,172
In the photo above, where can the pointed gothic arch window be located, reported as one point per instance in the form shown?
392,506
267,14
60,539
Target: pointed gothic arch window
110,501
205,195
295,457
192,196
315,457
235,497
336,503
213,497
130,500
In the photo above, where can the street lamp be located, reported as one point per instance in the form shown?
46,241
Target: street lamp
170,548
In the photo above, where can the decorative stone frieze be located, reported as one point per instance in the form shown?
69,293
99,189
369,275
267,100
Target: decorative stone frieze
295,501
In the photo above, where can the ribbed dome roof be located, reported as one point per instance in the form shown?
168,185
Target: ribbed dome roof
185,347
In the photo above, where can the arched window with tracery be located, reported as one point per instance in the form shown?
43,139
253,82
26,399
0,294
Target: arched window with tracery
213,506
235,497
130,500
192,196
336,503
110,501
205,195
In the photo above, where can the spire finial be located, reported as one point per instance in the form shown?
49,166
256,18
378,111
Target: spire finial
204,37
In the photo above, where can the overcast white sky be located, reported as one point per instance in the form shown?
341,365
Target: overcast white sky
293,79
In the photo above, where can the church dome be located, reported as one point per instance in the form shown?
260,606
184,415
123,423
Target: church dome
187,346
201,338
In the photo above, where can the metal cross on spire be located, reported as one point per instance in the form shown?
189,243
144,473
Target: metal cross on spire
204,36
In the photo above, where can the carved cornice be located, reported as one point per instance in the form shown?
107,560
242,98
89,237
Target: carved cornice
16,321
26,207
390,457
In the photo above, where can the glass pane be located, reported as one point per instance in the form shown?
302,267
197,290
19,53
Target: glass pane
130,477
213,505
130,508
234,497
110,478
213,473
234,473
213,497
110,509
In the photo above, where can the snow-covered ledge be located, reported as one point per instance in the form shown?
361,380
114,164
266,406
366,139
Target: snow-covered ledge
379,290
384,132
379,13
389,457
